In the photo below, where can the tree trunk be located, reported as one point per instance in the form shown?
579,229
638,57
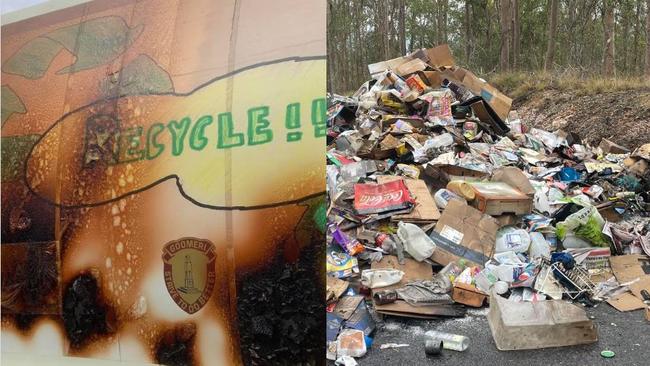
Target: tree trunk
468,37
504,19
382,28
488,32
552,29
440,21
402,27
515,33
637,30
647,43
608,56
625,34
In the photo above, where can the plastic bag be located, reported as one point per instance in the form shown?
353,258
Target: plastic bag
415,241
512,239
539,246
586,224
373,278
351,342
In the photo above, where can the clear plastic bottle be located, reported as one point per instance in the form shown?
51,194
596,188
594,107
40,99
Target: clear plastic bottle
450,341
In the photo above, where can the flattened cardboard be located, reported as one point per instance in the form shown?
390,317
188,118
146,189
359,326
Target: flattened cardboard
410,67
379,67
401,308
425,209
642,284
440,56
335,288
347,305
627,267
413,270
626,302
478,233
361,320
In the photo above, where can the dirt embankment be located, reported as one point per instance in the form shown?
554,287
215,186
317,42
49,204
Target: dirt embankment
621,116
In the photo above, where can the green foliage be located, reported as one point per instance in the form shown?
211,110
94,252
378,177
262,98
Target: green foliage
354,40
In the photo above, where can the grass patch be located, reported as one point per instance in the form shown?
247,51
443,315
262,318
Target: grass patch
518,84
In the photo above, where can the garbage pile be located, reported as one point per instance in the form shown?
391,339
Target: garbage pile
442,198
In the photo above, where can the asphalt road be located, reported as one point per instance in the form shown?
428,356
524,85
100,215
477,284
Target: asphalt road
627,334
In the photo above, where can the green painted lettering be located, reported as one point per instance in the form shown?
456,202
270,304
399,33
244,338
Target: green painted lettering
197,137
129,142
152,134
227,137
178,131
258,126
292,121
319,117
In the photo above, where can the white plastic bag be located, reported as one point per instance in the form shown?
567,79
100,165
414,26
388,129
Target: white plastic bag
351,342
415,241
510,238
374,278
539,246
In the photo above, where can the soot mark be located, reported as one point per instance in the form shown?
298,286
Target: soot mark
279,309
85,315
176,346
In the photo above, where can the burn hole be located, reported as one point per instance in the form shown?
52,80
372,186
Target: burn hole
84,313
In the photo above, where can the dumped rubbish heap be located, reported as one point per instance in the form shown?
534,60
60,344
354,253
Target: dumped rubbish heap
442,198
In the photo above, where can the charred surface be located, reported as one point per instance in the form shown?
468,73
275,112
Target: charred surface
281,320
176,346
85,315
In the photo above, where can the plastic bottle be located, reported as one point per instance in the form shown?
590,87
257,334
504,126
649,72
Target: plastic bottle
450,341
443,196
462,188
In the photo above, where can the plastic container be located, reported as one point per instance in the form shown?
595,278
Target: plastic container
443,196
415,241
462,188
450,341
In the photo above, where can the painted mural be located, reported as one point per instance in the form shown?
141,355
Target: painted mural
162,182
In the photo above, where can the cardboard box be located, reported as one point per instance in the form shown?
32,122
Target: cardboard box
499,102
379,67
498,198
468,295
464,232
535,325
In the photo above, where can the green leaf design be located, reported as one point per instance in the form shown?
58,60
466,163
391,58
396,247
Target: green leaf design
93,43
140,76
14,152
11,104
